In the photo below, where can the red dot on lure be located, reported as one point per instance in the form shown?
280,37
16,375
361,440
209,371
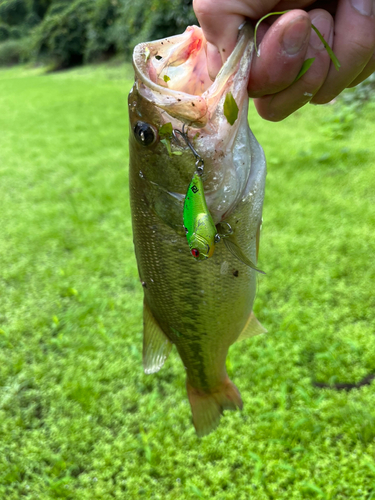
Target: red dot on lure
195,252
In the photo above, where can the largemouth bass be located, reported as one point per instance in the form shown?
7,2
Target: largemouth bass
200,306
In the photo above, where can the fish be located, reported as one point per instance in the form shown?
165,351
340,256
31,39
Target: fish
201,306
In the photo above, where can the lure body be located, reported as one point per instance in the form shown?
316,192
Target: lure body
199,225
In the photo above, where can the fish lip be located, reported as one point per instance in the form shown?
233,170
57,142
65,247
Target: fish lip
157,94
140,62
194,110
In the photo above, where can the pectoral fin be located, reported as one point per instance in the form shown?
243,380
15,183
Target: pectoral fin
156,346
238,253
252,328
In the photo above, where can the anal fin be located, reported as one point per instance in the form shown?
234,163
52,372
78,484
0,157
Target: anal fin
156,345
252,328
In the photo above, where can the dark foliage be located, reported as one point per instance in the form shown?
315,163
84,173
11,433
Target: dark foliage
13,52
150,20
32,20
90,30
40,7
4,32
13,12
15,32
99,41
68,33
61,37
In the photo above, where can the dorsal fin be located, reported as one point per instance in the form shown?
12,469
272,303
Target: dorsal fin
156,345
252,328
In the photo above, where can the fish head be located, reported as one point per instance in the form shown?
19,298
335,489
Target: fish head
155,155
173,88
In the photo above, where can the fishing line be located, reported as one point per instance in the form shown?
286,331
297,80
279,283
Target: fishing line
199,162
199,165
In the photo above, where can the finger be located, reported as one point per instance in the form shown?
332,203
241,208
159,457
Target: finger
368,71
279,106
218,53
282,53
354,45
220,20
220,27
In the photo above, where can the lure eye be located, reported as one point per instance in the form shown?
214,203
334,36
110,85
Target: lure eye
195,252
144,133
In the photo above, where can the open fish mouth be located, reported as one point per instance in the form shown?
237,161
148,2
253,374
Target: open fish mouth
172,74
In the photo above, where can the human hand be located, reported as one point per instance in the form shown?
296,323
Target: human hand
348,26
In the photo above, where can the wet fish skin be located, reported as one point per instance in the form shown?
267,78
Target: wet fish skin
199,306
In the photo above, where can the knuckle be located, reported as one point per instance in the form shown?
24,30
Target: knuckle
362,47
267,111
313,81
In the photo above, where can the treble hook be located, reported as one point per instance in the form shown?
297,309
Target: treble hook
199,162
224,235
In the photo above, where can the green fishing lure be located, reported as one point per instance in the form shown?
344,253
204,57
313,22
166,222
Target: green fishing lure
201,232
200,229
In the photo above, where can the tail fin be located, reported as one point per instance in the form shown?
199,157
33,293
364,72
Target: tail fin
207,407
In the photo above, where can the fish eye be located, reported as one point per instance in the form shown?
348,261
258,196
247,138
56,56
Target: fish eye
144,133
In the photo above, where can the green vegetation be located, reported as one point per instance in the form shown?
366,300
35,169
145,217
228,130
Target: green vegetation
65,34
78,417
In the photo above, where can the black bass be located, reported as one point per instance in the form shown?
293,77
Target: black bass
200,306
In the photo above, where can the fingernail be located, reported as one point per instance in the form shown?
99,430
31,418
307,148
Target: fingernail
324,25
364,7
296,35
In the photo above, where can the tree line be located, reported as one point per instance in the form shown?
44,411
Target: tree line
65,33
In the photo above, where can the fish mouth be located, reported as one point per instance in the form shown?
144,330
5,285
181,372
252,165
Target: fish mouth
172,74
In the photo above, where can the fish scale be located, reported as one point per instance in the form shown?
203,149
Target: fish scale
178,279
